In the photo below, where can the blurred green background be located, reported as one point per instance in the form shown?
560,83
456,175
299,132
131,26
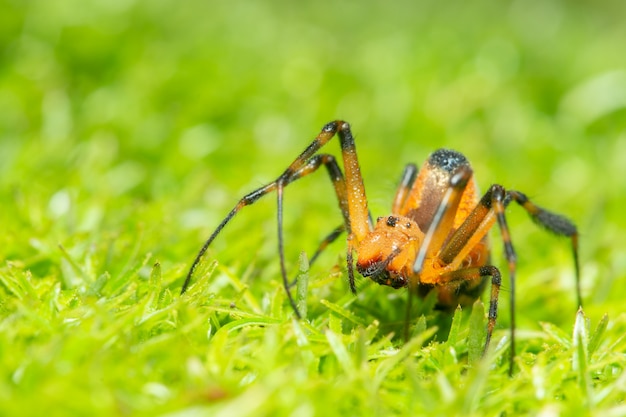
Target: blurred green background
129,128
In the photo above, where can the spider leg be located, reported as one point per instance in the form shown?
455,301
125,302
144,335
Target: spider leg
350,193
471,232
554,223
440,225
404,187
311,166
327,241
491,209
332,236
354,206
358,221
473,278
444,217
246,200
339,184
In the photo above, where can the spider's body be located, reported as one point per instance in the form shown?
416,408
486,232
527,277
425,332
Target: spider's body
436,236
404,232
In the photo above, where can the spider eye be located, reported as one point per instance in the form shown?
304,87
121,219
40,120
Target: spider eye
407,225
392,221
379,218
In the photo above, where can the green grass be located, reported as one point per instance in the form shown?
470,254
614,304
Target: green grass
129,128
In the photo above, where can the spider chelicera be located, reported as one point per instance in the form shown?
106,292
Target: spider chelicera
434,240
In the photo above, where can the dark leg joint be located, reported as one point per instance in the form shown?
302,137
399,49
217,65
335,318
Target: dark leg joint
330,127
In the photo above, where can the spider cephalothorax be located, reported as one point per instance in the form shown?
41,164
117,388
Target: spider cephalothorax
434,240
387,253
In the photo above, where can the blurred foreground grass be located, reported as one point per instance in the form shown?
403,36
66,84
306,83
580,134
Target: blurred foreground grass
129,128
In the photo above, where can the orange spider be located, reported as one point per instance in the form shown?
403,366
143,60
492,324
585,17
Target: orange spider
434,240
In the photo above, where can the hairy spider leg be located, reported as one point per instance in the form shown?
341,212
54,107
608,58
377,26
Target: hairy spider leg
339,184
443,217
311,166
555,223
350,193
404,186
359,222
353,202
328,131
332,236
409,175
491,208
475,276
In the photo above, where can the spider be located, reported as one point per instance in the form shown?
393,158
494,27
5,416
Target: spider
434,240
